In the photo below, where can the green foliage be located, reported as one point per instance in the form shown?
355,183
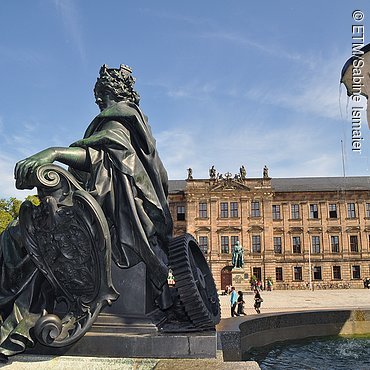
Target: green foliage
5,219
9,209
34,199
253,279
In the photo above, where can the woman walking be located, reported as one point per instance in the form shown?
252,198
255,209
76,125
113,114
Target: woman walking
240,303
257,301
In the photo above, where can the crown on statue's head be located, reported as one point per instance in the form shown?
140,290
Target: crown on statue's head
123,70
119,81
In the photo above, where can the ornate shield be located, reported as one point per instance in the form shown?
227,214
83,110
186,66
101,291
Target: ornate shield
68,239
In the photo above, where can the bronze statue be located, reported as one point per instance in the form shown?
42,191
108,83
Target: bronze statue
110,204
237,259
265,172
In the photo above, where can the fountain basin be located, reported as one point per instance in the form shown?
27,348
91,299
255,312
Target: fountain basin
237,336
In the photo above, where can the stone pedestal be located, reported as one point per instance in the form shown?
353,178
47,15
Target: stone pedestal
129,328
239,280
105,340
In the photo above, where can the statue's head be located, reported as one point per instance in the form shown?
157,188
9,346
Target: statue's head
116,84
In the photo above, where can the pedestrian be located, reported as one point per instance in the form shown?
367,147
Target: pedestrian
257,301
241,303
233,302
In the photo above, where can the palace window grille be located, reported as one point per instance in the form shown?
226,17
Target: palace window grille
277,245
279,273
315,244
234,209
317,273
203,244
351,210
356,272
333,211
295,211
255,209
353,242
180,213
367,210
296,244
314,211
297,272
334,241
224,207
257,272
276,212
337,273
203,210
256,243
225,244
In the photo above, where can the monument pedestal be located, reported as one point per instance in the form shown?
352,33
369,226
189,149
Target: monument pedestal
238,279
129,328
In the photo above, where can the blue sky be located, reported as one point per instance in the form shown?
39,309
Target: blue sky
224,83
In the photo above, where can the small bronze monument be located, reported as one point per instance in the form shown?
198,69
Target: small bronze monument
101,237
238,272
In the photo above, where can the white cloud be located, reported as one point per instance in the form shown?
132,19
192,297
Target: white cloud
316,93
276,51
284,148
7,183
72,24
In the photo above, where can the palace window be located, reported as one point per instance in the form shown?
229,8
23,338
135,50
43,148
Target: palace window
224,207
234,209
333,211
295,211
337,273
296,244
317,273
277,244
225,244
279,273
180,213
334,241
315,244
297,272
233,240
257,272
276,212
356,272
203,210
367,210
255,209
256,243
351,210
314,211
203,244
353,242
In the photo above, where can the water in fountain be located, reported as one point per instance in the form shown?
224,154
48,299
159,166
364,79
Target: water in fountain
314,354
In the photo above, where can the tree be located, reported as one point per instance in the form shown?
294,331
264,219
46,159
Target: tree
9,209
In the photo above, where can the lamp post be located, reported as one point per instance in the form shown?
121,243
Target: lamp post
309,267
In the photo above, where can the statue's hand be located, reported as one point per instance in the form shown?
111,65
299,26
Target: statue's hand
25,168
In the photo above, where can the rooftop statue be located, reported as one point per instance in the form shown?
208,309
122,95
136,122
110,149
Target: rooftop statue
109,207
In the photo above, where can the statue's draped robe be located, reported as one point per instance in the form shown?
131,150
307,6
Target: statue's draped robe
128,180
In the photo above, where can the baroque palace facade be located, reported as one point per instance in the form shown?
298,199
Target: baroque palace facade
301,232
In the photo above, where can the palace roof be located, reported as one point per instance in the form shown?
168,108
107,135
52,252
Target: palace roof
301,184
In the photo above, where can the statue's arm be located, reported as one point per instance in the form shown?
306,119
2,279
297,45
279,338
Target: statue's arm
75,157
